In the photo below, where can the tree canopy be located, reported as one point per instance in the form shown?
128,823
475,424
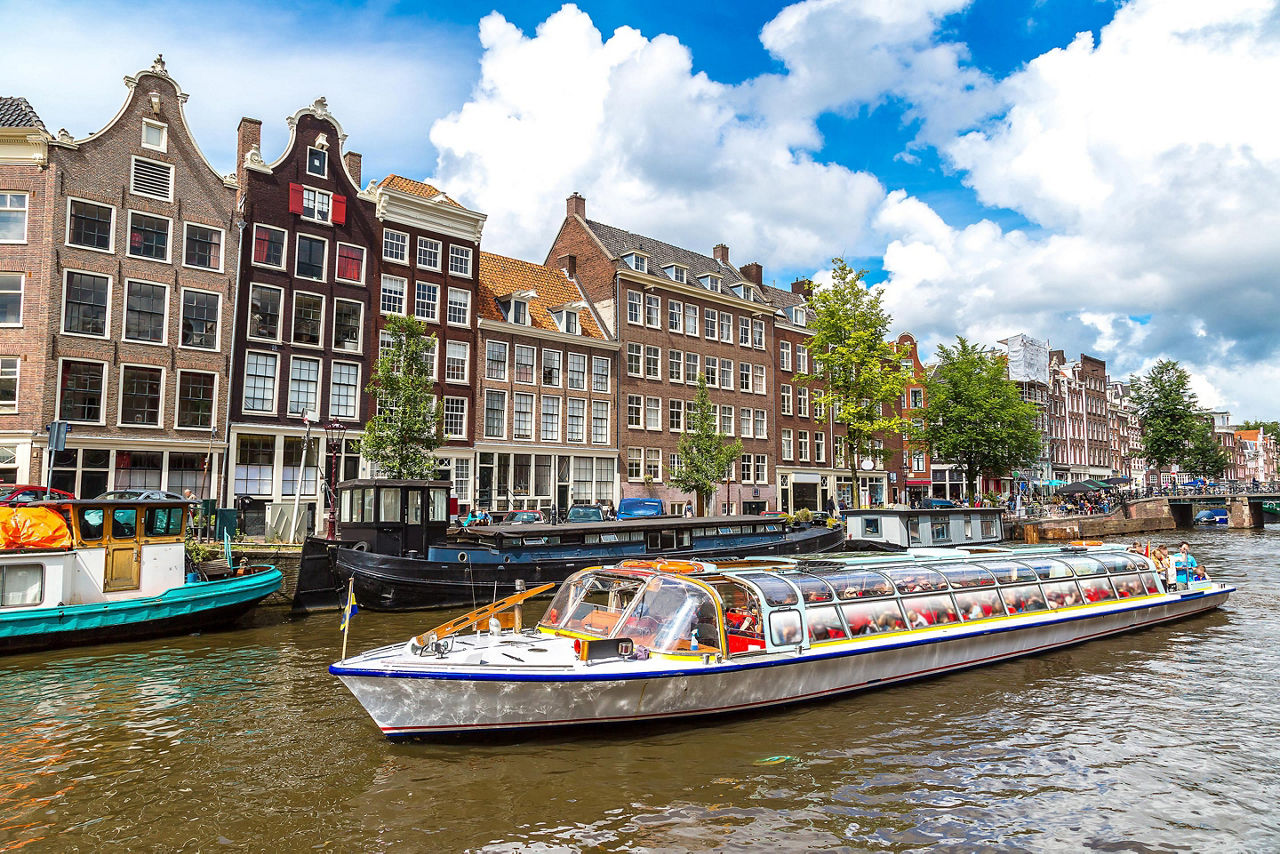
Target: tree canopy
1167,412
855,369
705,454
402,437
1204,456
974,416
1269,428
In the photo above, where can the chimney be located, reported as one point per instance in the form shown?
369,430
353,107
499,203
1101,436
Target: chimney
352,159
803,287
721,253
248,135
752,272
576,205
568,263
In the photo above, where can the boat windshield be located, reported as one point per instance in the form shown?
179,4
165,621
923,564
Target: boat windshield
776,591
1121,562
813,589
967,575
669,614
858,583
915,579
591,603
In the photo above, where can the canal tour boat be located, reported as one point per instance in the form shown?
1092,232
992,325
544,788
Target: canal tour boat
397,545
82,572
648,640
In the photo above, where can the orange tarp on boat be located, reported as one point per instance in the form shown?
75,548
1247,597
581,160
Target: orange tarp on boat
33,528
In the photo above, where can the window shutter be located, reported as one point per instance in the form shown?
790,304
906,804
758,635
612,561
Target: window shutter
295,198
339,210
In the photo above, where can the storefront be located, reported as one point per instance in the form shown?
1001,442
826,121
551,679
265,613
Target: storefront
528,481
800,489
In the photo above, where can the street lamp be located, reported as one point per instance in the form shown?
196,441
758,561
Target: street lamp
334,431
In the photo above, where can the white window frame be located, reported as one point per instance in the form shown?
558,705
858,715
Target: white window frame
319,385
124,316
542,417
359,327
324,265
608,374
466,361
102,408
279,324
66,237
160,424
22,293
284,247
62,315
656,302
466,322
534,427
26,219
217,338
385,257
169,166
423,243
608,414
692,312
484,415
7,408
515,352
177,399
444,417
404,294
726,327
168,243
163,147
675,316
293,317
333,373
784,355
364,262
434,317
559,369
568,407
222,246
328,219
637,299
470,259
788,447
324,173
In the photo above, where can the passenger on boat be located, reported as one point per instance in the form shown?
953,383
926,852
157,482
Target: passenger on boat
1165,567
890,621
1185,562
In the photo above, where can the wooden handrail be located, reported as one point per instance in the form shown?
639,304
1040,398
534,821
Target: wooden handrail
459,623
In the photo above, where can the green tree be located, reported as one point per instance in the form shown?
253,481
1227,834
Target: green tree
1167,412
974,416
705,454
1204,455
402,438
1270,428
855,370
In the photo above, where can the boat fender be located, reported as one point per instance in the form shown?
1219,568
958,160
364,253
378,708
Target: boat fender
360,546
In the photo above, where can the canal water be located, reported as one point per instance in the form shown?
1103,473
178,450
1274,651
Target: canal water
1162,740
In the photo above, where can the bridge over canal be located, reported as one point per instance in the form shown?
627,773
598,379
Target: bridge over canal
1144,515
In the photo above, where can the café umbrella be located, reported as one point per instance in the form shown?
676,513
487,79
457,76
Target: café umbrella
1077,489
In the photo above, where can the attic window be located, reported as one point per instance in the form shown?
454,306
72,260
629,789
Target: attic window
639,263
155,135
317,162
519,313
797,315
675,272
711,283
569,322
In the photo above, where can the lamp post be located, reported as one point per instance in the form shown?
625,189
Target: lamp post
334,431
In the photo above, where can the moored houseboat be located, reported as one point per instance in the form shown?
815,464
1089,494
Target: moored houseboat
645,640
82,572
899,528
398,546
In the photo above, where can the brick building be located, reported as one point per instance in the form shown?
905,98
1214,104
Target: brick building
28,184
911,467
139,296
544,434
678,314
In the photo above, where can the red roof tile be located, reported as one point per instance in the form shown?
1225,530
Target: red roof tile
500,277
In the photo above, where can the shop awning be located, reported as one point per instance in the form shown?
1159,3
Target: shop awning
919,482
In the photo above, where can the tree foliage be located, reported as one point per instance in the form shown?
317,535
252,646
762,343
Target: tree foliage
1269,428
974,416
402,438
1204,455
856,372
705,454
1167,412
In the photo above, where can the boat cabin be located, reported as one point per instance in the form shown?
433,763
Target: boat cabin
105,550
893,529
759,606
395,517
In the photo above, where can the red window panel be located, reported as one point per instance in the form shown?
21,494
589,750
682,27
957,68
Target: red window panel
295,198
350,262
339,213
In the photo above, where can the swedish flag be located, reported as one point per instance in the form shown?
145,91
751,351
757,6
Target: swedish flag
350,609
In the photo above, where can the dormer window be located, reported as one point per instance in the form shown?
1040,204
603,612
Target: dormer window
317,162
675,272
637,262
519,314
710,282
569,321
798,315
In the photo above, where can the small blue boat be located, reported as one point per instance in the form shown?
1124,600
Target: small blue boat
97,571
1212,516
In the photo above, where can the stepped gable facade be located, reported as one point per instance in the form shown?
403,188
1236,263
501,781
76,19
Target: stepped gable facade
678,315
139,300
544,432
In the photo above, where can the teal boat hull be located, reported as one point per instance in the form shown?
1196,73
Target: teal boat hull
191,607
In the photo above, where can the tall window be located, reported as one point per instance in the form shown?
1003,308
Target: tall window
599,422
495,414
690,319
11,298
260,382
9,367
635,463
653,463
575,421
748,476
745,423
90,225
551,368
744,331
652,362
757,379
350,263
148,236
202,247
195,399
459,306
344,389
578,371
495,360
675,414
757,334
317,162
787,452
550,431
635,308
200,319
460,261
310,261
653,413
802,402
392,295
304,386
140,396
784,355
268,246
802,359
802,446
691,368
255,457
786,400
145,309
308,317
81,388
744,377
633,360
710,322
674,314
712,370
635,412
726,373
347,318
726,326
600,369
264,312
395,246
652,306
524,364
426,304
456,356
455,417
316,204
522,416
675,366
13,218
428,253
761,430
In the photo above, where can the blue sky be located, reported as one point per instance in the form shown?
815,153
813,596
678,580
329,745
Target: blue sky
1097,173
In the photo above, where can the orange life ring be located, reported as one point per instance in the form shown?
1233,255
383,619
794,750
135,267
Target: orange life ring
1086,542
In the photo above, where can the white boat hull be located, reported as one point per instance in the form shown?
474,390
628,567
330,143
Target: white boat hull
410,695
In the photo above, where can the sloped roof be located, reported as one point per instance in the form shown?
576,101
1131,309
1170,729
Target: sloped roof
500,277
785,299
415,188
1248,435
18,113
619,242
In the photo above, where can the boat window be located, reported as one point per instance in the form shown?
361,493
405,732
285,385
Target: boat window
930,611
22,584
344,506
1084,565
389,505
1120,562
741,617
591,604
725,530
1024,599
1062,594
91,523
869,618
1046,567
858,584
124,523
967,575
913,530
773,529
1007,571
988,529
915,579
776,591
784,627
871,526
1097,589
439,505
825,624
366,505
1149,581
669,614
813,589
1129,585
164,521
979,604
413,513
608,538
535,541
940,530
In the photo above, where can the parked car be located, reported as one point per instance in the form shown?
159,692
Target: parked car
937,503
586,513
639,508
524,517
27,493
141,495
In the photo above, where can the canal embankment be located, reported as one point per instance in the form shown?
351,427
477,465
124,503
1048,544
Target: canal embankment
1143,516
